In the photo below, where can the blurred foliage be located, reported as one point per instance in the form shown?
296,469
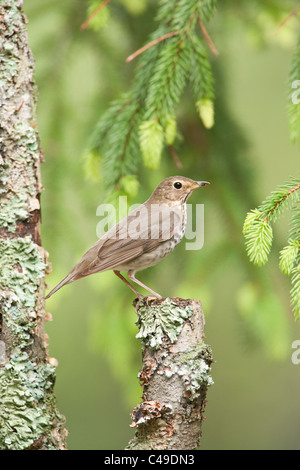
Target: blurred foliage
80,76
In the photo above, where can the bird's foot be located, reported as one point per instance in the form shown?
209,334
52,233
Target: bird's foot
147,299
136,303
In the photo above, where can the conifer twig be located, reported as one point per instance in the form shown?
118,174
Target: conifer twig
292,190
208,39
151,44
293,13
95,12
175,157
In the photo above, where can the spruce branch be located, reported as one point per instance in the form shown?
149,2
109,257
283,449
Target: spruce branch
151,44
271,208
92,16
295,291
257,228
258,234
207,38
138,126
295,223
175,157
289,256
151,142
293,13
168,80
170,129
205,109
202,82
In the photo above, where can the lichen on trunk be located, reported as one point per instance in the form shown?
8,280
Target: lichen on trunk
28,414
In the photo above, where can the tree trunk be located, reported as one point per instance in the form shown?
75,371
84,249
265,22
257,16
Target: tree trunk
175,375
29,418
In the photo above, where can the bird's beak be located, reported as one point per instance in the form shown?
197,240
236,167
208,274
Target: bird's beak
198,184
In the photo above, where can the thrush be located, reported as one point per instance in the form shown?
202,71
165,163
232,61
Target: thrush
142,239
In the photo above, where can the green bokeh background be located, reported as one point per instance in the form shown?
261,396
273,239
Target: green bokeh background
254,403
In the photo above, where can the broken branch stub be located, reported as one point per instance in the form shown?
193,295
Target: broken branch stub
175,375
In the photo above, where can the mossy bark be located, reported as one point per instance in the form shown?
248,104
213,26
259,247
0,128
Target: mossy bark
29,418
175,375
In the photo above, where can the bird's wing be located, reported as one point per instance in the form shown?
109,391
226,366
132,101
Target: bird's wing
142,231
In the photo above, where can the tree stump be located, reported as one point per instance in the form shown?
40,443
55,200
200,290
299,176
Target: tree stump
175,375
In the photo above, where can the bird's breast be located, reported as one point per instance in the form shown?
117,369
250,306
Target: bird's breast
179,228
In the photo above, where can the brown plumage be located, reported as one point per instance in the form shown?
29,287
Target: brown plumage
141,239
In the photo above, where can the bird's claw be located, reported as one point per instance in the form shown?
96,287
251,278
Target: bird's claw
147,299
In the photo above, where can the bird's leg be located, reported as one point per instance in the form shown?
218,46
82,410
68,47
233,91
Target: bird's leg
117,273
131,276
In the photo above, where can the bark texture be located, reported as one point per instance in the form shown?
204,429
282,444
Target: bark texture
175,375
29,418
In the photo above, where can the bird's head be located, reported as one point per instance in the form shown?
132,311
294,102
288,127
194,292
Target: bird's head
175,188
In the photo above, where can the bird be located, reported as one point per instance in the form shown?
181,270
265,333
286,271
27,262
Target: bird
142,239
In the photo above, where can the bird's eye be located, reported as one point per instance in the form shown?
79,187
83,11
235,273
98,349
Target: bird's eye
177,185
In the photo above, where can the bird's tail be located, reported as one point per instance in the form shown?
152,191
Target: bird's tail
69,278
